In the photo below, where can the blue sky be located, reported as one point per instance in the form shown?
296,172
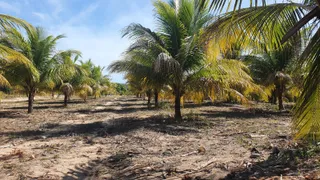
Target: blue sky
91,26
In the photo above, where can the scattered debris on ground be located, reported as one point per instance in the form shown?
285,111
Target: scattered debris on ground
121,138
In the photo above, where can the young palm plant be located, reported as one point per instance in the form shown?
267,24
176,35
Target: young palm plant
180,25
277,23
271,70
138,64
101,82
38,49
9,59
63,71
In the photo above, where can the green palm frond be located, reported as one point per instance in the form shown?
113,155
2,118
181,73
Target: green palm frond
263,26
12,59
12,22
307,110
137,31
4,82
167,64
220,5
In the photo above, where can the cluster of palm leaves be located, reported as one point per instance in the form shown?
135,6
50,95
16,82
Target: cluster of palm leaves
206,49
30,61
275,26
201,50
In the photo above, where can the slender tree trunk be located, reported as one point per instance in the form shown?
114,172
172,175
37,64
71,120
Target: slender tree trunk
273,99
280,93
149,98
31,94
177,104
156,98
65,99
52,94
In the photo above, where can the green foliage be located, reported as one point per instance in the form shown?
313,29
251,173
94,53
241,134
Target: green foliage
268,26
37,49
121,89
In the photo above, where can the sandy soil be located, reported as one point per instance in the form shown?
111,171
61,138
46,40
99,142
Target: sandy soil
120,138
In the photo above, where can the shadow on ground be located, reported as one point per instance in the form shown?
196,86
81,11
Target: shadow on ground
111,128
124,110
244,113
60,102
120,166
117,166
11,114
37,107
288,163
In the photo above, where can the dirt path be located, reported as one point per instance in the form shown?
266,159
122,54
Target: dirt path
120,138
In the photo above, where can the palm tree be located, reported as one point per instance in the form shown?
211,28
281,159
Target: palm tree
67,90
139,65
38,49
224,77
271,70
9,57
64,71
96,74
277,23
178,39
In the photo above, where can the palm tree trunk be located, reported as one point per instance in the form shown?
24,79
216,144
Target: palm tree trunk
273,98
177,104
149,98
156,98
31,94
280,92
65,99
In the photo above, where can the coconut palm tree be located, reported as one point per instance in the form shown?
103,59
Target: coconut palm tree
277,23
139,65
64,71
224,77
38,49
178,37
271,70
9,57
95,72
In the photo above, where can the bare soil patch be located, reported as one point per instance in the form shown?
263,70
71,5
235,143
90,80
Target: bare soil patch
120,138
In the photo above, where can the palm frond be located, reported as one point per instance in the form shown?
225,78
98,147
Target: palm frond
137,31
263,24
9,21
307,110
4,83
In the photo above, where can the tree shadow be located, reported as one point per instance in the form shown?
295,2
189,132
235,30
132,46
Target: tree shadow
60,102
129,99
11,114
287,162
112,110
122,104
111,128
37,107
114,167
240,113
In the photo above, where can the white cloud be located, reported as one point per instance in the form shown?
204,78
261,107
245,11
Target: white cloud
83,14
39,15
102,47
58,7
104,44
9,7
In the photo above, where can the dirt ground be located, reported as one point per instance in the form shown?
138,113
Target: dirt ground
120,138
